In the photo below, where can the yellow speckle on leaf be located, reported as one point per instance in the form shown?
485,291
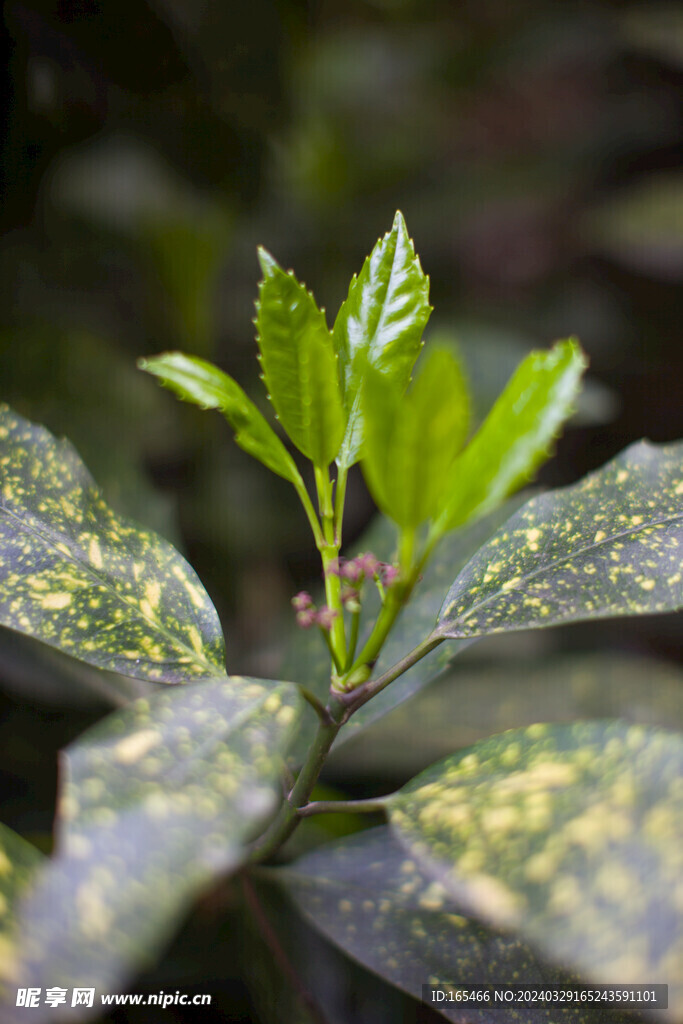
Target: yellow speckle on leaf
94,553
133,747
56,601
195,639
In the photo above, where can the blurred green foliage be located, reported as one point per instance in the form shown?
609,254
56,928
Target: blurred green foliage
147,150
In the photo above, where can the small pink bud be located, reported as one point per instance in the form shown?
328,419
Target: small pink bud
302,601
367,563
349,595
389,574
334,568
306,618
325,617
352,572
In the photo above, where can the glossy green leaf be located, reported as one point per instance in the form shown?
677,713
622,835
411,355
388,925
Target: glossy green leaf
18,862
157,800
202,383
570,835
609,545
373,900
300,366
79,577
307,659
492,353
482,694
412,440
380,324
516,436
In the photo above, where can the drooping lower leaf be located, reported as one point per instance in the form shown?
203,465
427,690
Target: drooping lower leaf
369,897
18,863
610,545
380,324
515,438
157,801
300,365
196,380
570,835
412,439
81,578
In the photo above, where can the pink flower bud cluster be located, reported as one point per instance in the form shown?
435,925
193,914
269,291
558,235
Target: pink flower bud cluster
308,615
354,571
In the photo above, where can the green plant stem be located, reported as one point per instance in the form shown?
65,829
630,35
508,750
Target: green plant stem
355,699
329,552
338,712
407,552
339,501
310,513
373,645
343,807
330,646
287,818
317,705
353,639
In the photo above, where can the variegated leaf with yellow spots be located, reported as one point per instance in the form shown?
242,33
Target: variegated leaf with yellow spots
569,835
157,800
76,575
369,897
18,862
610,545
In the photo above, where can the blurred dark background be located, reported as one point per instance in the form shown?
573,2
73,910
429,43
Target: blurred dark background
147,148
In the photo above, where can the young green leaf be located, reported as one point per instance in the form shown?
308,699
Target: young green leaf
380,324
157,800
570,835
196,380
18,863
81,578
412,440
515,438
609,545
300,366
371,899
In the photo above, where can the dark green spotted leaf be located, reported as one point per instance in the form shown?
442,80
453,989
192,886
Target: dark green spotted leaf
369,897
609,545
516,436
196,380
485,693
79,577
570,835
412,440
380,324
300,366
18,862
157,801
307,658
